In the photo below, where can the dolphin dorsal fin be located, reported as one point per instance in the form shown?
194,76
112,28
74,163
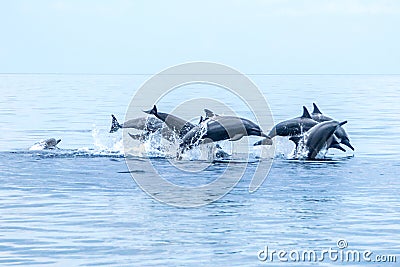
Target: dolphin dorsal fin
151,111
306,114
316,109
209,113
201,119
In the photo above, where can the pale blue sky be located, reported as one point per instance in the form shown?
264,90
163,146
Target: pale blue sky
256,36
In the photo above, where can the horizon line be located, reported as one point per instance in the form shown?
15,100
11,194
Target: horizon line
150,74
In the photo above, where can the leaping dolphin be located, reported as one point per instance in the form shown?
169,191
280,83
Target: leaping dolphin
180,126
318,137
332,142
340,132
218,128
292,127
150,124
50,143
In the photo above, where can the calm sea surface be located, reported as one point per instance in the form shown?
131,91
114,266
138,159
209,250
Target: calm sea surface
79,206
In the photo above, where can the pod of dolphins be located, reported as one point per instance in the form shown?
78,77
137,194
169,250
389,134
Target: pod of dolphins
312,132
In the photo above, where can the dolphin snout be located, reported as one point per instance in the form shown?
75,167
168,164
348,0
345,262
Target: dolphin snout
346,142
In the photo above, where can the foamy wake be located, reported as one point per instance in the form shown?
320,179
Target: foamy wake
152,146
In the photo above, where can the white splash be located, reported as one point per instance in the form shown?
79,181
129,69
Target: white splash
38,146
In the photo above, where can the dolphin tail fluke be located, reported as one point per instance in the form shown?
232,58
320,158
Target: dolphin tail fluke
316,109
346,142
114,124
306,114
152,111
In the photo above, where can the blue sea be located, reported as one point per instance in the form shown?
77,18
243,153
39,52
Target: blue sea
79,205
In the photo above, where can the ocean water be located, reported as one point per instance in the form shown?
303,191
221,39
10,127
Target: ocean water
79,206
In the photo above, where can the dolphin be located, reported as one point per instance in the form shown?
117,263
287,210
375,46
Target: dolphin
180,126
332,142
292,127
150,124
218,128
340,132
50,143
318,137
221,154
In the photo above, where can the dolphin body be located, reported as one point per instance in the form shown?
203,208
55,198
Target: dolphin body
318,137
295,126
150,124
147,124
218,128
50,143
332,142
292,127
340,132
178,125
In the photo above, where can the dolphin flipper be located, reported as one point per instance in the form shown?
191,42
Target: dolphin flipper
264,142
135,136
140,137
